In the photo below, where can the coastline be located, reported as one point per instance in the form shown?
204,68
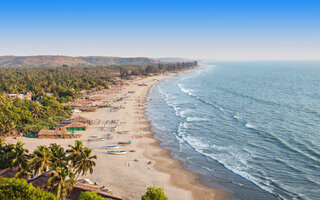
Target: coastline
128,176
180,176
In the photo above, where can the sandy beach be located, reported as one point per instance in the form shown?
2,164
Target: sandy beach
129,175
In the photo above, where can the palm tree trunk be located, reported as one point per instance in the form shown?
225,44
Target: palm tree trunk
59,191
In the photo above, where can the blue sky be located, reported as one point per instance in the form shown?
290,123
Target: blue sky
223,30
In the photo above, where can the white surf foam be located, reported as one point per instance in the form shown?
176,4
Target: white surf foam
248,125
196,119
236,116
187,91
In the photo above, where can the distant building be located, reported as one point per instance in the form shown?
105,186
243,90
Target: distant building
49,94
25,96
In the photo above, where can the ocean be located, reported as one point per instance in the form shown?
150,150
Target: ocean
249,127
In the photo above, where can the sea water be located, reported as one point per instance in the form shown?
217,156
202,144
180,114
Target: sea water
251,128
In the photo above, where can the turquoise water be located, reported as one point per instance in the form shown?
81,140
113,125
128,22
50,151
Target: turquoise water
252,128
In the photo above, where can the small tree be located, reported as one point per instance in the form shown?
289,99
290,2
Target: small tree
154,193
88,195
124,73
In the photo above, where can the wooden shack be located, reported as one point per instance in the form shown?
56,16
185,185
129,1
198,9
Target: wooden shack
77,119
41,181
88,109
82,120
56,134
79,188
76,126
8,172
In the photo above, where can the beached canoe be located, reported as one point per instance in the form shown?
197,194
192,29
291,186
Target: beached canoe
124,143
110,147
93,139
117,152
124,132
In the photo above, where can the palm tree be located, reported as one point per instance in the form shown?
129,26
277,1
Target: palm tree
58,156
6,156
41,161
1,141
84,162
61,183
75,151
20,159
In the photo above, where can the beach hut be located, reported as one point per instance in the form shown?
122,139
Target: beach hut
82,120
88,109
56,134
41,181
76,126
79,188
8,172
60,128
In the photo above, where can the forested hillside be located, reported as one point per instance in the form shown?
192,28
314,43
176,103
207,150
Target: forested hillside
52,61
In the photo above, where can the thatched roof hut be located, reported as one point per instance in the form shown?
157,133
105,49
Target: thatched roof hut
76,126
78,188
82,120
8,172
41,181
55,134
88,109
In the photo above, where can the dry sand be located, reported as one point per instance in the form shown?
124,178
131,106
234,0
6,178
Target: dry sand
129,175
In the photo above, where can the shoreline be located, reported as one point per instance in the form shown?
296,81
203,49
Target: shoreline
129,175
180,176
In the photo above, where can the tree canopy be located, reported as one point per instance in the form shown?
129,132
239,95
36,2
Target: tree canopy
154,193
29,116
65,165
19,189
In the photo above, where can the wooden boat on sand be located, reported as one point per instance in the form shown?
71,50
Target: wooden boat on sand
117,152
124,132
124,143
110,147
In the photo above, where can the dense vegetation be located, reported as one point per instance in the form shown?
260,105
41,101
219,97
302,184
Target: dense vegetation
19,189
66,164
88,195
154,193
29,116
65,83
154,69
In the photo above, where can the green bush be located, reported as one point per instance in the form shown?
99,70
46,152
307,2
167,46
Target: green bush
19,189
90,196
154,193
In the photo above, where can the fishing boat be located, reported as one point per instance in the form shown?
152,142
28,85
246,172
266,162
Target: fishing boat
110,147
117,152
93,139
124,132
124,143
